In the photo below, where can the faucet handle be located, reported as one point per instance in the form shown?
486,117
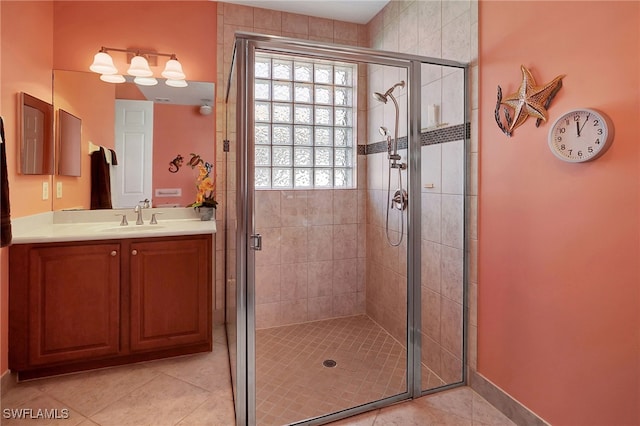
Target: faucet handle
146,203
154,221
124,219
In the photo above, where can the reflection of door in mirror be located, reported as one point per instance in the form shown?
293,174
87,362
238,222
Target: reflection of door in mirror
36,152
131,178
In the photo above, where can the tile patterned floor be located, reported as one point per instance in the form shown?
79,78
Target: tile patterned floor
195,390
181,391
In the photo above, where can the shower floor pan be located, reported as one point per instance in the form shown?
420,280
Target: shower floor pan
296,378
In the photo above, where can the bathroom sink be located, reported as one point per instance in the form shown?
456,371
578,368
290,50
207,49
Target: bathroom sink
133,228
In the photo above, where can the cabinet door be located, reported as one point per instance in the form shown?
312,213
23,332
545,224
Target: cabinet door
74,302
170,293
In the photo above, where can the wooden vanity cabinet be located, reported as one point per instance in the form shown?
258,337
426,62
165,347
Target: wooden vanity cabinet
170,294
82,305
64,303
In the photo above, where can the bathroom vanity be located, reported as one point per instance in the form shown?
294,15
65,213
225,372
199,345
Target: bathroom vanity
127,297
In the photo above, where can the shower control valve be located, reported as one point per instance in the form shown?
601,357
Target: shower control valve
400,199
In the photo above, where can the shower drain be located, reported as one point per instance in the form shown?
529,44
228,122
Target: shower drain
329,363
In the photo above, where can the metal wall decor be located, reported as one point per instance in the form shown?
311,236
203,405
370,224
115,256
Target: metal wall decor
175,164
529,100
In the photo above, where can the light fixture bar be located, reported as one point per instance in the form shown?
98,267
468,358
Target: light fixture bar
137,52
139,60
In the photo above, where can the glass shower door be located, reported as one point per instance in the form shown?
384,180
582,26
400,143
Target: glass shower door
330,333
338,302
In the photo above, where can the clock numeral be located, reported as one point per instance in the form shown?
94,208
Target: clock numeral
570,151
598,141
562,147
562,130
576,117
567,122
590,149
596,122
558,138
599,131
579,153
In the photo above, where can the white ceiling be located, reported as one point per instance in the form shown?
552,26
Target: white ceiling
196,93
358,11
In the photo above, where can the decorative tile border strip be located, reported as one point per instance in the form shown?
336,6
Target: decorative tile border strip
430,137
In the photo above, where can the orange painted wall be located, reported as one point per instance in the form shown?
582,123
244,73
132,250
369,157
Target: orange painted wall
559,243
27,57
187,28
180,129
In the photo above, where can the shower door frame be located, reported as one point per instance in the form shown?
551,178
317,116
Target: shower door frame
245,48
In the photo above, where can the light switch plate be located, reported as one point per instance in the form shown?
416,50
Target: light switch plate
58,189
45,190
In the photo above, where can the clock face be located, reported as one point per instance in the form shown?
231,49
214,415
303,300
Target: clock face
580,135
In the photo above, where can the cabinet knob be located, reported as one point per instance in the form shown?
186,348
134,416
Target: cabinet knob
113,253
134,252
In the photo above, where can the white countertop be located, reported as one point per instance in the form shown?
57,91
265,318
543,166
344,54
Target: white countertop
104,225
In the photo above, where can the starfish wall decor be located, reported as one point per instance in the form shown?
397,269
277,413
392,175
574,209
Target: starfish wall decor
529,100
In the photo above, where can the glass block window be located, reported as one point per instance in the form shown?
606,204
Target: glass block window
305,121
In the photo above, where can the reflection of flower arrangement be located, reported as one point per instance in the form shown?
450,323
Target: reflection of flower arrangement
205,184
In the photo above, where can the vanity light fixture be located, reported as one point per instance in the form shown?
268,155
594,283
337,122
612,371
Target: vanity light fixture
112,78
103,63
145,81
176,83
139,67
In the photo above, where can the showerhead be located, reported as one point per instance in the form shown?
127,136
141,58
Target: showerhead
380,97
383,131
385,97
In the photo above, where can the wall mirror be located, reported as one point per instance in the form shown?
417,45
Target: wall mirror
69,137
36,138
178,128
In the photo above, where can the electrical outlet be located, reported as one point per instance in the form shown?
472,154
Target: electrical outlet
58,189
45,190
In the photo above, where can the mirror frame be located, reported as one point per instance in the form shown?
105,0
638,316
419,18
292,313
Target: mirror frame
46,168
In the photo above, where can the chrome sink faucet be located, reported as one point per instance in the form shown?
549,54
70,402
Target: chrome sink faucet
138,210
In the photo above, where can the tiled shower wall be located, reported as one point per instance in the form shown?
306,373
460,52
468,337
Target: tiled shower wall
445,29
312,265
448,30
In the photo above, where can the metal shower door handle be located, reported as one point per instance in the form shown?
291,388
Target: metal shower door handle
256,242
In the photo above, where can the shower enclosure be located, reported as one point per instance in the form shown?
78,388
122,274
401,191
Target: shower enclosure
344,228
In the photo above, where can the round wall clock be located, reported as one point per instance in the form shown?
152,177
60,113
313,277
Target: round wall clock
579,135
